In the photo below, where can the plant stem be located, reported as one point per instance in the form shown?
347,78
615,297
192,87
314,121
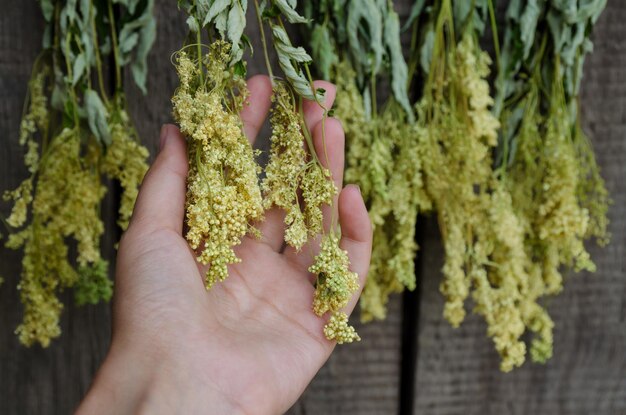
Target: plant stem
116,52
199,52
494,30
264,42
94,33
414,56
71,87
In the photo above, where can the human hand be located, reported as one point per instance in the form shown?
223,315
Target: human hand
252,343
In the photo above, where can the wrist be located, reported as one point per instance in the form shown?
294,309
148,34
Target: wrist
143,383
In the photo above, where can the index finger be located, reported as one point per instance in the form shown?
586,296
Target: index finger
256,106
312,110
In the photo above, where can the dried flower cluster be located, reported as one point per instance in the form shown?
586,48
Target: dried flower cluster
73,136
223,195
354,43
224,198
334,287
290,173
512,179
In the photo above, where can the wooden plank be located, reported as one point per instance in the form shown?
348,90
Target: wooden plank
36,380
457,370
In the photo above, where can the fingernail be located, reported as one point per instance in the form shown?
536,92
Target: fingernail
163,136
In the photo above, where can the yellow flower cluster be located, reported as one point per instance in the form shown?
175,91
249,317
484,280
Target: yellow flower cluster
484,239
288,176
288,172
65,204
339,330
286,166
562,222
36,119
334,287
318,188
460,134
383,158
545,181
350,109
223,194
507,227
125,160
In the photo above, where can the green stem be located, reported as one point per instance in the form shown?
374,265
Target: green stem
333,219
414,56
494,30
199,52
307,135
313,91
94,34
71,87
116,51
264,42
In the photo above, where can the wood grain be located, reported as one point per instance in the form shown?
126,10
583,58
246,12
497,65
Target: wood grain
457,370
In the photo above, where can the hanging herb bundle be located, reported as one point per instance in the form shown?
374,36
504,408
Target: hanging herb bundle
513,180
74,132
458,132
357,45
546,160
224,197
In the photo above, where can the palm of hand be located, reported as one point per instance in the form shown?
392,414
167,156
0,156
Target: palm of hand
253,339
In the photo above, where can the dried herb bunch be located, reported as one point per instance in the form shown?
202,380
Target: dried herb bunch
75,133
546,160
224,196
357,45
511,176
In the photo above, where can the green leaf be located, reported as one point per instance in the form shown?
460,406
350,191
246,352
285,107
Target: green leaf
270,12
323,50
288,10
139,67
192,23
78,68
216,8
200,9
416,10
399,71
128,42
426,51
528,23
236,26
47,8
372,45
240,69
286,58
236,22
297,54
221,23
97,117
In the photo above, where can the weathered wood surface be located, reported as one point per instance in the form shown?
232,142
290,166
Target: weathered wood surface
456,369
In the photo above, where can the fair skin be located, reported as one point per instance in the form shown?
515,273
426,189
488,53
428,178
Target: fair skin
251,344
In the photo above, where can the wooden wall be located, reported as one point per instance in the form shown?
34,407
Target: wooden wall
439,370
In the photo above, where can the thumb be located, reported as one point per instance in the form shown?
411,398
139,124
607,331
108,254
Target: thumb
161,200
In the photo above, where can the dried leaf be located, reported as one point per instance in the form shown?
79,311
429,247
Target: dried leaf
97,117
